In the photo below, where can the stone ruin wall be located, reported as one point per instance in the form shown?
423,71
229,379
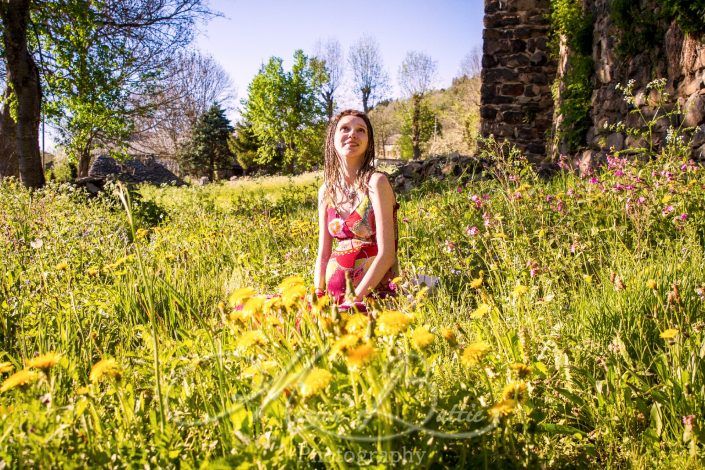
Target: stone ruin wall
517,75
679,59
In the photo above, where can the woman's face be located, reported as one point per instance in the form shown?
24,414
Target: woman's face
351,137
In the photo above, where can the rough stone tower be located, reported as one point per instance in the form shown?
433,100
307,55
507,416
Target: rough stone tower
517,73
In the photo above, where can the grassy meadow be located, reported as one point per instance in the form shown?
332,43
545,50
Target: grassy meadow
176,327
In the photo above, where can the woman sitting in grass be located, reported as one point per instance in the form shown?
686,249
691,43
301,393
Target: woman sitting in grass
357,209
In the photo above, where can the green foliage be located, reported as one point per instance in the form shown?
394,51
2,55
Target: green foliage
243,144
640,28
428,125
576,102
643,28
62,171
570,20
574,25
88,96
208,150
690,14
286,114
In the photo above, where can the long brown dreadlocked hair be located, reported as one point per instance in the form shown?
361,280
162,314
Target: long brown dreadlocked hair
332,171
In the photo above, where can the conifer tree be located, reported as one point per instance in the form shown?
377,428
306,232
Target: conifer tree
207,151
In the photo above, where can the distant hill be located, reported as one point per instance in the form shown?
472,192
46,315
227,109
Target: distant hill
457,110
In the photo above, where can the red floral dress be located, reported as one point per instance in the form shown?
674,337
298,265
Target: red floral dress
355,250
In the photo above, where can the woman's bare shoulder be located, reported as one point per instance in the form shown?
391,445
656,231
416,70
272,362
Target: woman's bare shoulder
379,180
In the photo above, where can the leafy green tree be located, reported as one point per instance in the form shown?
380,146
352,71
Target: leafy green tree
89,63
416,76
286,114
418,126
207,151
243,144
23,82
87,99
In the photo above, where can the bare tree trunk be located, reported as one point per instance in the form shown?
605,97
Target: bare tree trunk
416,126
365,100
330,105
23,75
84,158
9,164
84,163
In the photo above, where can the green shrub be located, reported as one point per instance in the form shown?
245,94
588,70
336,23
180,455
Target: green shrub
570,21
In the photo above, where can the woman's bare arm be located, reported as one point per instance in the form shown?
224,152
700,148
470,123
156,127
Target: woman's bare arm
325,242
382,199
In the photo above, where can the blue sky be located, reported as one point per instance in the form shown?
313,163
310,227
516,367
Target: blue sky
251,31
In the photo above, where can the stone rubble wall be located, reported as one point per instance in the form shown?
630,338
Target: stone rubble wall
452,166
678,58
517,74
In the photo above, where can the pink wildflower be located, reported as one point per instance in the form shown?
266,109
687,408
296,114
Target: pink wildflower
472,231
476,200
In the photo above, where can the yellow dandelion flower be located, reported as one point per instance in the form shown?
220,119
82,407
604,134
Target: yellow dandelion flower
289,282
104,369
250,339
272,305
44,361
315,382
476,283
422,293
141,233
520,290
344,343
272,321
449,335
239,296
668,334
237,315
422,338
651,284
92,271
501,409
83,390
481,310
521,370
359,356
62,266
587,278
19,379
264,367
320,304
292,294
253,306
515,391
357,324
6,367
250,371
392,322
474,352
